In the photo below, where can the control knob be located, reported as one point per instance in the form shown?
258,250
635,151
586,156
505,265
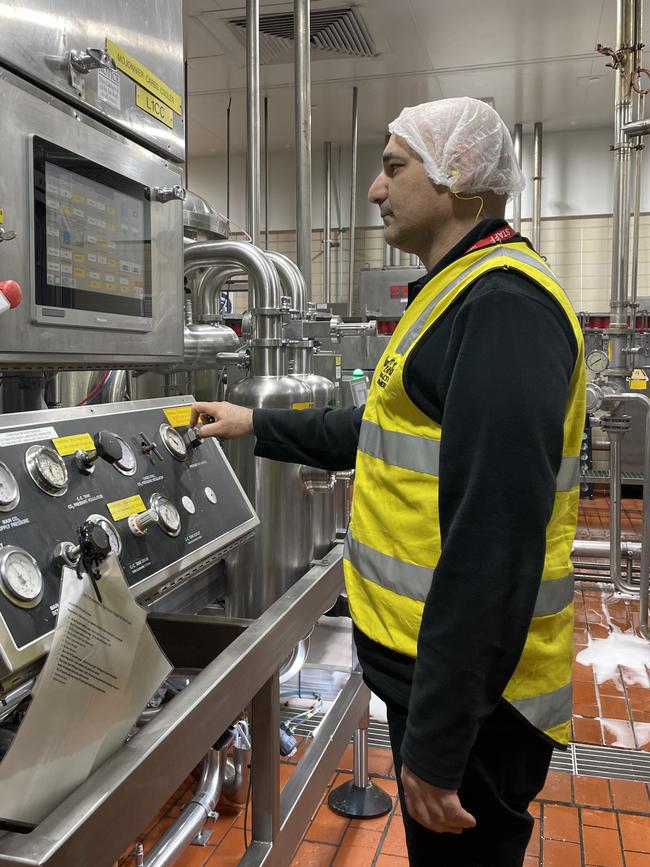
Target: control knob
111,448
193,438
138,523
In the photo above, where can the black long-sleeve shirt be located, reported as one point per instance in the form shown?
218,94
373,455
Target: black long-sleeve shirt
495,372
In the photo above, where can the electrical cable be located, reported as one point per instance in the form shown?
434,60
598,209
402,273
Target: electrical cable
97,389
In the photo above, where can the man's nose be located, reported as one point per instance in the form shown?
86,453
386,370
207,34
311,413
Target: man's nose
378,191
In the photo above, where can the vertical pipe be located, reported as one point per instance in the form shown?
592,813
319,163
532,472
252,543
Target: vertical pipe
394,257
327,222
537,186
303,137
253,117
228,158
266,173
621,211
353,191
387,256
413,260
516,199
615,438
339,233
360,753
639,112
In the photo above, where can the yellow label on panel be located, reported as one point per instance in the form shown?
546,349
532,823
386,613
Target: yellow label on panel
95,284
139,73
77,199
70,445
147,102
2,216
178,416
308,405
78,257
79,272
125,508
66,209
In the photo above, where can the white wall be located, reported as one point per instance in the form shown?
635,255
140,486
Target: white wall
577,169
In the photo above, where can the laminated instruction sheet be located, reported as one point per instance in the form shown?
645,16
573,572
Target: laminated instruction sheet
102,669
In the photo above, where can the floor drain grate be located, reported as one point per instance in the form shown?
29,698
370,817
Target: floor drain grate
582,759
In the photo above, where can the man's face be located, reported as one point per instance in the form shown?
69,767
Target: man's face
410,205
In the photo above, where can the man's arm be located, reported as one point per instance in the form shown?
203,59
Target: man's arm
324,438
509,368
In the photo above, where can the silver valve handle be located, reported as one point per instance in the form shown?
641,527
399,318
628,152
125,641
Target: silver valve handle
166,194
138,523
340,329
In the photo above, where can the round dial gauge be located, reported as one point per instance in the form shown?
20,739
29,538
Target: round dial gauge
597,361
111,531
169,519
9,491
127,464
20,577
173,442
47,469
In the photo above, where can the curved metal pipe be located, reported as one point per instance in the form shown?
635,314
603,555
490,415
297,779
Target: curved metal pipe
210,285
180,834
291,279
202,344
116,388
264,284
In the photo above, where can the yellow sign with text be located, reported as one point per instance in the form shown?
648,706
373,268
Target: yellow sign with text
147,102
125,508
305,405
143,76
70,445
639,380
2,216
178,416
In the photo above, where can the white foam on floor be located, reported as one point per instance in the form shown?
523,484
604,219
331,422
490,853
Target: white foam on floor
605,655
622,731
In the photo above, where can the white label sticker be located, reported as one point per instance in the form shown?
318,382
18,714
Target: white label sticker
108,87
15,437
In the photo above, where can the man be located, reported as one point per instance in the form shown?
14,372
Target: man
466,491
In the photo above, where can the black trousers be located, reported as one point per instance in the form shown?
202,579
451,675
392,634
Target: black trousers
507,767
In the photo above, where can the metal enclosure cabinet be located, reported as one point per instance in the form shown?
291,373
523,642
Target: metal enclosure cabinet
70,343
38,36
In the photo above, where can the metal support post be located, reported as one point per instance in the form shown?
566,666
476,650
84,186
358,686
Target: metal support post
353,192
303,138
516,199
265,769
327,222
359,798
253,117
537,187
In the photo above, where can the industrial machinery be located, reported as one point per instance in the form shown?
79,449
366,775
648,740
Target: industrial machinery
121,271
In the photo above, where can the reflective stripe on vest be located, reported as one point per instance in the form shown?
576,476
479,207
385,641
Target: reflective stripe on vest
546,711
408,579
422,455
499,252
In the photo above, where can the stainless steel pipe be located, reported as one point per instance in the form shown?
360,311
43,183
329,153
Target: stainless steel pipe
353,192
516,199
619,300
536,233
395,257
210,286
263,285
593,548
327,222
253,117
303,137
194,815
292,280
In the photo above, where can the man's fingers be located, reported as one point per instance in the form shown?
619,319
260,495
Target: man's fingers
198,409
211,430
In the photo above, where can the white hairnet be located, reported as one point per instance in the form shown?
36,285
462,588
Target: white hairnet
463,144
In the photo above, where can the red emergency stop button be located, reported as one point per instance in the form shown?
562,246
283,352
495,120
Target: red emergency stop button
10,294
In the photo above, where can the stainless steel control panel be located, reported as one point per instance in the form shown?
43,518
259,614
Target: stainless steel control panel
169,503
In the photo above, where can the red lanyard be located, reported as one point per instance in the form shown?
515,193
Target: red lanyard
497,237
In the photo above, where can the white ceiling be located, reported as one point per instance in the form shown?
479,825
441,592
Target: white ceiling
535,57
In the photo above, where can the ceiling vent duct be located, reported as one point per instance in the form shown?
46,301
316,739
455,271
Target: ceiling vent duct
334,33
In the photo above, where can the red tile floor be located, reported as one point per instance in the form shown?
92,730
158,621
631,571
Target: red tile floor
581,821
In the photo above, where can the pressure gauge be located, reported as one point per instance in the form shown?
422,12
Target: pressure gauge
127,464
9,490
597,361
173,442
111,531
47,470
21,579
169,519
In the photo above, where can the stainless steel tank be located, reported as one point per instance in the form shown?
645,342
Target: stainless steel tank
261,571
318,483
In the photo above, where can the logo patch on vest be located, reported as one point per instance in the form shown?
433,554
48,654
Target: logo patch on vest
387,370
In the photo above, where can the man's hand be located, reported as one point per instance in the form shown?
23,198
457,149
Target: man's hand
439,810
230,421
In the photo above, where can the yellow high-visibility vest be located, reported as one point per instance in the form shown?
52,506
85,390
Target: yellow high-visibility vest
393,543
